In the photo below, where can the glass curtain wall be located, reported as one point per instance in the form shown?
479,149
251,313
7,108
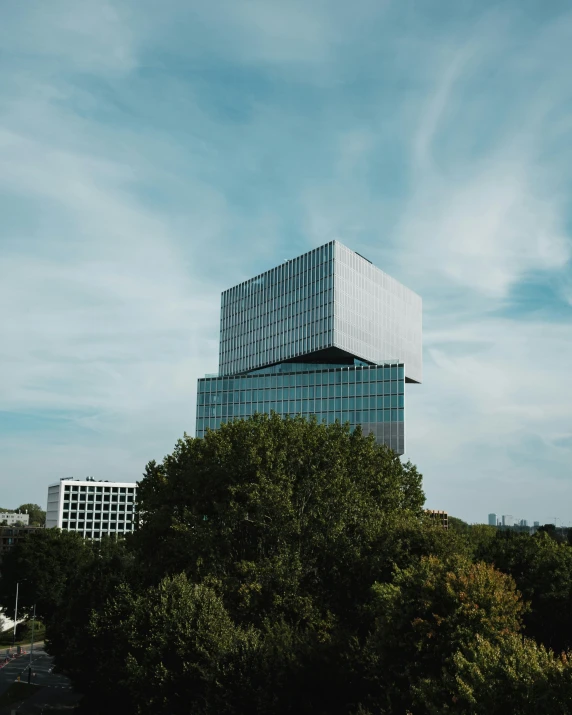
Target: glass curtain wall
279,315
372,397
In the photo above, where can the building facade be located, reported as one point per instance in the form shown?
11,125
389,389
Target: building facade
11,535
91,508
13,517
325,334
440,517
492,519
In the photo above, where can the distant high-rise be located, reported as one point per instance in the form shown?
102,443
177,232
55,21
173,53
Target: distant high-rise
523,522
507,520
492,519
536,524
325,334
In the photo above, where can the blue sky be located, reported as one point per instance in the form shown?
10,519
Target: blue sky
153,154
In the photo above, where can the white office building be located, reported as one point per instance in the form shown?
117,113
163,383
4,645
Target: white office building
91,508
14,517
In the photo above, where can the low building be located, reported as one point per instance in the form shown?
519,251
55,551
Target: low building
10,535
14,517
440,516
91,508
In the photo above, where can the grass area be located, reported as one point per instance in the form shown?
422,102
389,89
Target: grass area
17,692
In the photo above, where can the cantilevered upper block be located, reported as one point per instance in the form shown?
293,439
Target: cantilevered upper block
329,305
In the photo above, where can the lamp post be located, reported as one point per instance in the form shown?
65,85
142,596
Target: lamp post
32,645
15,616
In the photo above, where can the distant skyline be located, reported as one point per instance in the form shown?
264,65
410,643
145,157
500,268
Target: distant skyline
153,155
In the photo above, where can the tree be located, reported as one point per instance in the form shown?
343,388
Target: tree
42,563
480,536
285,566
36,513
542,569
512,674
458,525
552,531
288,514
288,523
430,611
177,666
106,568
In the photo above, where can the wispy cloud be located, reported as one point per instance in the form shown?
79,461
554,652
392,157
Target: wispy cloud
487,206
487,214
65,36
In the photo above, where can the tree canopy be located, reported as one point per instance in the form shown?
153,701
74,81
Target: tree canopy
36,513
285,566
42,563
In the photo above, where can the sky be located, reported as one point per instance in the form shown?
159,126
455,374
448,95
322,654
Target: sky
153,154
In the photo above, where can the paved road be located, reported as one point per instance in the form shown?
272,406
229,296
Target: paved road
41,667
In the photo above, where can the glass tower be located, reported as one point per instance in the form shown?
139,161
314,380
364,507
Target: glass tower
326,333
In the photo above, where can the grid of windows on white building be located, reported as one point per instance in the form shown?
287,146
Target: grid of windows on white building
92,508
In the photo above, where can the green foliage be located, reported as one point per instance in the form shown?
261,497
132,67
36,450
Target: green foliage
283,566
512,674
553,532
287,514
37,514
542,569
177,667
288,523
480,536
458,525
23,633
106,567
42,563
427,613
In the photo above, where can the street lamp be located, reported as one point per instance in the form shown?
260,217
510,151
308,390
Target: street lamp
32,644
15,615
23,580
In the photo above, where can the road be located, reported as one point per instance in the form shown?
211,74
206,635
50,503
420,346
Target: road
56,688
41,666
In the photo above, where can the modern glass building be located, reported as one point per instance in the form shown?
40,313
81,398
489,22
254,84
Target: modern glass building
326,333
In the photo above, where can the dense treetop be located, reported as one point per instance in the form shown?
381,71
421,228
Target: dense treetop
284,566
